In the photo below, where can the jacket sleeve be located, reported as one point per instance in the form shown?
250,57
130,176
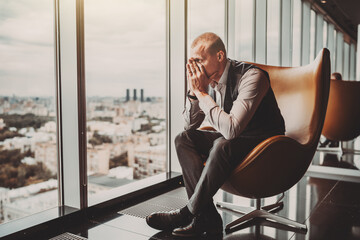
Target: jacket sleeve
192,114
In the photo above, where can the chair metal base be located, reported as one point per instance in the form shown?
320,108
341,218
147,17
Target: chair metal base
340,150
264,212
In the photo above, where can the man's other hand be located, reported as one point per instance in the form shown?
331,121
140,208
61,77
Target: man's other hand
198,81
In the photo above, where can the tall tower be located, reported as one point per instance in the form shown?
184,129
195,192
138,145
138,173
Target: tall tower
134,97
142,95
127,95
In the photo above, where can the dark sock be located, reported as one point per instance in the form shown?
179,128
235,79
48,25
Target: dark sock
185,210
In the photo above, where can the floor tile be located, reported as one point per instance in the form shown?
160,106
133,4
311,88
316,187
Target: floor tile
109,233
132,224
330,221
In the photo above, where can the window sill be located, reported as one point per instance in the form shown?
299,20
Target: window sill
20,228
49,221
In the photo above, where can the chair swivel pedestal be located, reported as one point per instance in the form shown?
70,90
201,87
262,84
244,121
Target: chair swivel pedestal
264,212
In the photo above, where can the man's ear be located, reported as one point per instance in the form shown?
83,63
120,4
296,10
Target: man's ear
220,56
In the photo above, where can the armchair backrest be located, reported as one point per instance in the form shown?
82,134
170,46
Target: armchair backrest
302,95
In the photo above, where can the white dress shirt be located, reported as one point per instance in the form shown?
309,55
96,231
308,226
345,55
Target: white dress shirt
252,87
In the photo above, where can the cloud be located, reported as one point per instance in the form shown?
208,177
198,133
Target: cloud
124,47
125,44
26,46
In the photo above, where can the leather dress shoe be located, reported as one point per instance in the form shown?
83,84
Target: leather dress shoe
201,225
168,220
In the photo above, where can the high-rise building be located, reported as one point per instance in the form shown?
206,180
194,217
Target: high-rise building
142,95
127,95
134,97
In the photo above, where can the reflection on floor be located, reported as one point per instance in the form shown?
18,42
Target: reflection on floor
329,207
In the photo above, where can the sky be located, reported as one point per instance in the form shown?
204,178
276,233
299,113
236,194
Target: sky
26,48
124,45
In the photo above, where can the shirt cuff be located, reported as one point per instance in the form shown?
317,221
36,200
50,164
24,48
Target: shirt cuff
206,104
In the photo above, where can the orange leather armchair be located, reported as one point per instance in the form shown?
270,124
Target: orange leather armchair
342,121
279,162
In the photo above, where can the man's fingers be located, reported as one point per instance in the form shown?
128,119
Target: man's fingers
195,64
192,69
189,69
202,69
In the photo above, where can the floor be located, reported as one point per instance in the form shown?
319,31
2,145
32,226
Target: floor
329,207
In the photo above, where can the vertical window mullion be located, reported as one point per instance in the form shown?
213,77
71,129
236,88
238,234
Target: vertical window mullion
352,62
296,32
305,32
313,29
178,49
339,52
331,44
346,61
319,33
231,29
286,29
260,31
69,105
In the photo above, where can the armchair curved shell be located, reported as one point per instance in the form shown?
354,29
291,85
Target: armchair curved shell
279,162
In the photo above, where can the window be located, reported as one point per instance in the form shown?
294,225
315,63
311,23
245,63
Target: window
200,21
126,91
273,32
346,62
325,29
305,34
28,148
312,34
244,30
296,33
352,62
330,39
339,52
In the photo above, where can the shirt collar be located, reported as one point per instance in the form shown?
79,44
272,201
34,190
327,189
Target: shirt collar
223,78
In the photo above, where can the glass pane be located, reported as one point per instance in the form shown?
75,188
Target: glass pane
352,73
286,30
296,33
244,33
211,20
339,52
319,34
305,34
312,34
260,31
273,32
28,150
346,64
325,29
126,91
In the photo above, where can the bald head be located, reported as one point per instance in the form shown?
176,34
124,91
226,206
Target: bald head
211,42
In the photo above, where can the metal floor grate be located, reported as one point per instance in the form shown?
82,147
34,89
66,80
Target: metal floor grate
68,236
169,201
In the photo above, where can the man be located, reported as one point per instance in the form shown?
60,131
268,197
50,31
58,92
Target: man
237,100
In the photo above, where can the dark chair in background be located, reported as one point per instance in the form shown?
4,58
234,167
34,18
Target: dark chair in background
342,121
